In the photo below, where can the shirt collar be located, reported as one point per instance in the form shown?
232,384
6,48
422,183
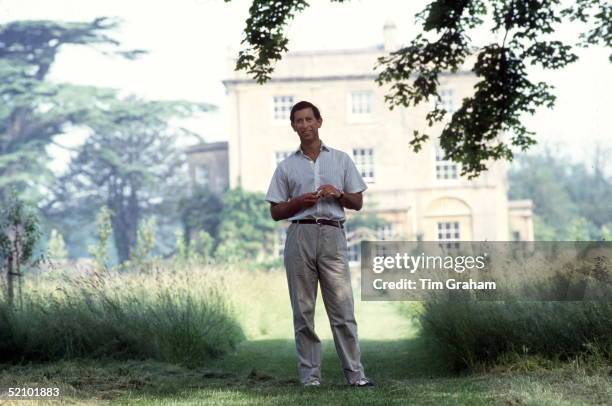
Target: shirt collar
323,148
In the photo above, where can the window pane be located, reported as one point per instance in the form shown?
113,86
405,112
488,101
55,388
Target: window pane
448,231
201,175
364,161
361,102
448,100
445,169
282,107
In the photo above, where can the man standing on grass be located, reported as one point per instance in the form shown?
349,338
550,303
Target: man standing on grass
310,188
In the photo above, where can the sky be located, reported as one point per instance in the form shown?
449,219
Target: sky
189,43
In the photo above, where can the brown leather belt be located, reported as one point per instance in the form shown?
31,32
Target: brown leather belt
333,223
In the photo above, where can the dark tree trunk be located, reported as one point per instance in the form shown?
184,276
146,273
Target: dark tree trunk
125,220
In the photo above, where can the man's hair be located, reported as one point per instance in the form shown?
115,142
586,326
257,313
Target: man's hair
305,105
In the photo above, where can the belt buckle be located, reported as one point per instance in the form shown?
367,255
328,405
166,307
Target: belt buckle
318,221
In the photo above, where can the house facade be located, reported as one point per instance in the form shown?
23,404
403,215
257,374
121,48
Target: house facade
208,166
418,195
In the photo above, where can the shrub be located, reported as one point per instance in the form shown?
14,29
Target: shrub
247,230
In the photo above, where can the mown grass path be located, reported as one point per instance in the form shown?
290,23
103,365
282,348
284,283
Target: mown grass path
263,371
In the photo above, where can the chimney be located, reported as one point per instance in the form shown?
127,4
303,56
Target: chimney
230,62
390,36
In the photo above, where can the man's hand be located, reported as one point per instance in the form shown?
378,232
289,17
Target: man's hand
328,191
284,210
352,201
307,199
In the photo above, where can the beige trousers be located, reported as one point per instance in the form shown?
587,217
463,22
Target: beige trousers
318,253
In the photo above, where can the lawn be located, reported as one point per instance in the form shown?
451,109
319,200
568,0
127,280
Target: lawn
263,368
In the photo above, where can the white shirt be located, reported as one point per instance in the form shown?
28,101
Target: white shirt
298,174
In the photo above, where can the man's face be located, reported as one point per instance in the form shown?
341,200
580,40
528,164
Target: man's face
306,125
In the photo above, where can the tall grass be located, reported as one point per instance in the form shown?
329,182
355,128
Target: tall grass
542,313
475,333
168,314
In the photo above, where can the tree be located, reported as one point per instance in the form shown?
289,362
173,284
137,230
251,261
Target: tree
199,247
19,232
580,229
592,190
544,179
129,163
141,257
56,247
34,111
369,221
475,132
200,212
571,202
246,230
99,251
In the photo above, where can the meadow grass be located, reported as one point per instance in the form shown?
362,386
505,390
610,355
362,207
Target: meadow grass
556,306
484,333
262,369
163,315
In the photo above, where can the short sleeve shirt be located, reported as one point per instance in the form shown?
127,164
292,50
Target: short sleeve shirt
298,174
